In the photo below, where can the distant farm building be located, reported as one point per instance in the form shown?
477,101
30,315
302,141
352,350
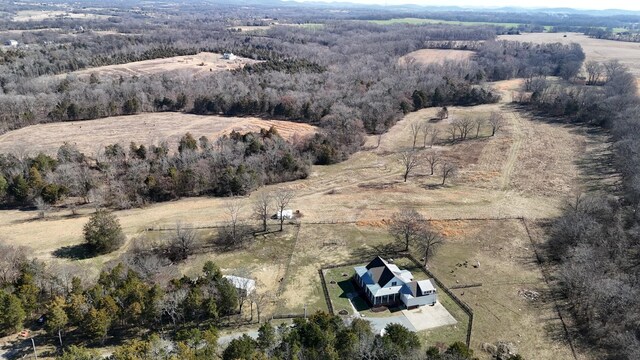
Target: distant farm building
385,284
243,285
229,56
12,43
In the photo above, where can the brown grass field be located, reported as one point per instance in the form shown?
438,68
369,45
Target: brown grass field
529,169
39,15
595,49
152,128
199,64
430,56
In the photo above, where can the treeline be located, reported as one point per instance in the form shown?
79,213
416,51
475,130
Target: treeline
610,91
595,242
121,178
508,59
600,33
121,300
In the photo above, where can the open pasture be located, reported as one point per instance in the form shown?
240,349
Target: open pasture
430,56
90,135
419,21
40,15
198,64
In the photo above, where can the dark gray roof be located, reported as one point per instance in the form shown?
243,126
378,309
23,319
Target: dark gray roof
377,262
380,272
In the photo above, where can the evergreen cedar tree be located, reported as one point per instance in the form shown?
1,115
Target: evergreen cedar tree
103,232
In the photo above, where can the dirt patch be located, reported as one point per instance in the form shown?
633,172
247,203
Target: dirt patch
151,128
449,228
438,56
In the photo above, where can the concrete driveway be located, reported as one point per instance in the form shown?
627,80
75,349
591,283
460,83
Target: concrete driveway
429,317
378,324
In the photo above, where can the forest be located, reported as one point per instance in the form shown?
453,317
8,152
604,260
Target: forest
344,78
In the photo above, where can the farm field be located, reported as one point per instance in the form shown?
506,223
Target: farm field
523,171
264,28
201,63
39,15
595,49
151,128
430,56
419,21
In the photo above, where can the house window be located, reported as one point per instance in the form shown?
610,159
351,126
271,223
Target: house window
394,283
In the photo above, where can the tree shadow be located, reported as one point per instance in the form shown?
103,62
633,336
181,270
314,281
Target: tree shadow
75,252
366,253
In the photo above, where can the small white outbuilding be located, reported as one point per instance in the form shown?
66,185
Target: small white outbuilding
229,56
244,285
285,214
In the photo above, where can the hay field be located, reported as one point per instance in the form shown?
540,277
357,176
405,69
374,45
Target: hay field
430,56
40,15
201,63
152,128
595,49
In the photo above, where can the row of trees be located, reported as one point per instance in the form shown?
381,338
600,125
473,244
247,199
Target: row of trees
122,178
595,241
321,336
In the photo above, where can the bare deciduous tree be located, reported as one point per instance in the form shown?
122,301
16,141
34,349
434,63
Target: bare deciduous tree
11,260
182,243
433,159
427,241
452,129
448,170
427,129
497,122
594,72
261,208
409,161
415,131
260,300
172,304
282,197
478,122
233,208
42,207
464,125
405,226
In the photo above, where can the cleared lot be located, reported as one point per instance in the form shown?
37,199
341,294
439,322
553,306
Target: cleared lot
429,56
198,64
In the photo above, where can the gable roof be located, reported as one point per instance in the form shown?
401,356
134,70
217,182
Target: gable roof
377,262
382,275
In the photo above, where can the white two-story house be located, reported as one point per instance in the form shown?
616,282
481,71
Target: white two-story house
385,284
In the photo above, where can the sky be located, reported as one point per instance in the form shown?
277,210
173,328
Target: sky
576,4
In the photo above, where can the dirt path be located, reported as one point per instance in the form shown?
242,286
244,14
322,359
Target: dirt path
513,152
